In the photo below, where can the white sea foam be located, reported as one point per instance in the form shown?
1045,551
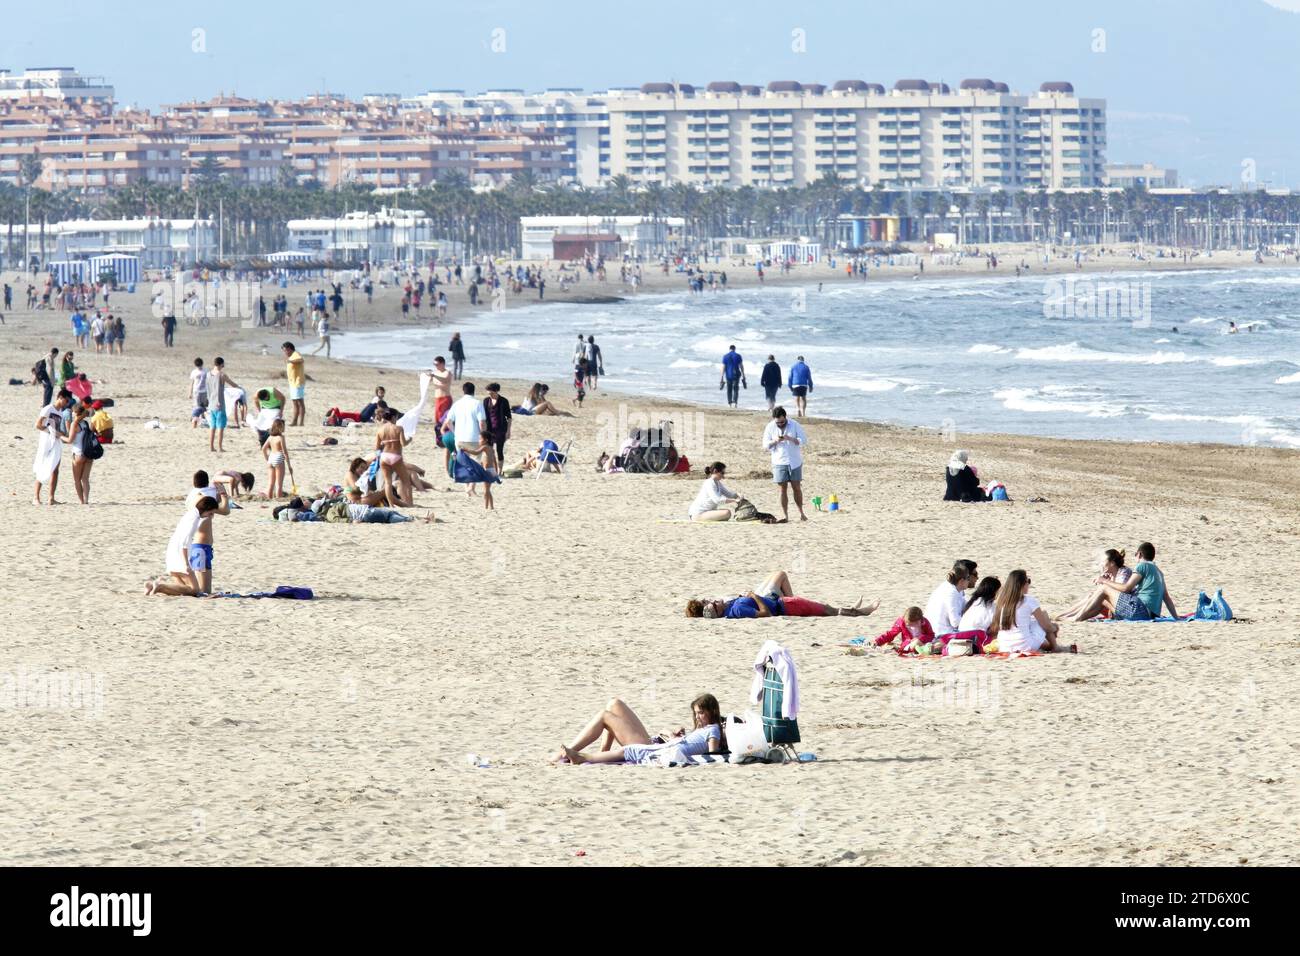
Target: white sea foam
1288,379
859,384
985,349
687,363
1073,352
1030,400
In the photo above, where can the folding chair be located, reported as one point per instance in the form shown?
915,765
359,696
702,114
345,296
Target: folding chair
782,732
558,457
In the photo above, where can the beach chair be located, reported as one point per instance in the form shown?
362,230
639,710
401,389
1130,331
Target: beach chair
555,456
781,732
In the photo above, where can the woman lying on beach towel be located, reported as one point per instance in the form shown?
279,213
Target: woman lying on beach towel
773,598
624,738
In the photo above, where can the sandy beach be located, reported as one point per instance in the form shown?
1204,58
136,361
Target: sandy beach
147,731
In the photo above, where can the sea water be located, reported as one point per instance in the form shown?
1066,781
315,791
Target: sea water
1075,356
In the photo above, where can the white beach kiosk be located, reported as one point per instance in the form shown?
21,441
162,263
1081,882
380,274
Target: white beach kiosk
125,268
281,261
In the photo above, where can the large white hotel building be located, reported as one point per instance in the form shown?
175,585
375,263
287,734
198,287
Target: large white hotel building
917,134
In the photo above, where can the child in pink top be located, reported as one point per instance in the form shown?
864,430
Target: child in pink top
912,627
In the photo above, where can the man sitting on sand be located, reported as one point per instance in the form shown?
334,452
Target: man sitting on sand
774,598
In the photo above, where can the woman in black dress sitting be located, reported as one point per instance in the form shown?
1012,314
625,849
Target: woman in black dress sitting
963,483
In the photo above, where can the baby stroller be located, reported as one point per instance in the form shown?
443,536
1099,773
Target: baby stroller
649,451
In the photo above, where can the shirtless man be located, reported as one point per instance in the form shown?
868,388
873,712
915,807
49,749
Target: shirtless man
189,553
389,442
441,388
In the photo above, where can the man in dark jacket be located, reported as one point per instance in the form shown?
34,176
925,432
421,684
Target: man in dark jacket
771,381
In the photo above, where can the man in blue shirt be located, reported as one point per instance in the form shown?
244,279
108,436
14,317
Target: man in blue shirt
733,376
800,385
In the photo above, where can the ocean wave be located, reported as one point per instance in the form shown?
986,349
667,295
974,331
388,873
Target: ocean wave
985,349
670,307
1288,379
859,384
1260,280
1074,352
717,345
1031,400
687,363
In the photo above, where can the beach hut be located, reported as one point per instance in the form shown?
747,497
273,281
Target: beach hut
125,268
68,270
294,263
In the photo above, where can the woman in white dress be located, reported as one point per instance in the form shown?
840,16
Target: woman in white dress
1019,621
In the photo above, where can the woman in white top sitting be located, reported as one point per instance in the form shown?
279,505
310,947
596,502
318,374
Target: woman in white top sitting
1019,621
978,615
711,503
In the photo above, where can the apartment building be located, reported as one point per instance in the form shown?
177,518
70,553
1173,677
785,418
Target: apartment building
88,145
56,83
580,121
918,134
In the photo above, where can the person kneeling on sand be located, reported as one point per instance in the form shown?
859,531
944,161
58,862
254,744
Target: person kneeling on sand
773,598
189,553
624,738
711,504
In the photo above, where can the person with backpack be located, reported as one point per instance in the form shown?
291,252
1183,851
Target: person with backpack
43,375
86,450
771,381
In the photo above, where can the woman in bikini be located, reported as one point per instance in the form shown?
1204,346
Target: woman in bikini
389,442
276,453
79,438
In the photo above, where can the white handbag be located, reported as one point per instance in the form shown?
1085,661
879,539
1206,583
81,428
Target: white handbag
745,737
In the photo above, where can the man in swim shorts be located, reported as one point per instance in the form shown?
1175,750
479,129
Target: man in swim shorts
297,377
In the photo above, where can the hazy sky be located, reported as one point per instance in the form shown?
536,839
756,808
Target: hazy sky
1201,85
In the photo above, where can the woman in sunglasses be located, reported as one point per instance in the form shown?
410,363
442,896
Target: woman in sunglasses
1019,622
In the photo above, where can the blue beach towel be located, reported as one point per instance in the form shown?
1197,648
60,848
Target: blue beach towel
466,471
283,591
